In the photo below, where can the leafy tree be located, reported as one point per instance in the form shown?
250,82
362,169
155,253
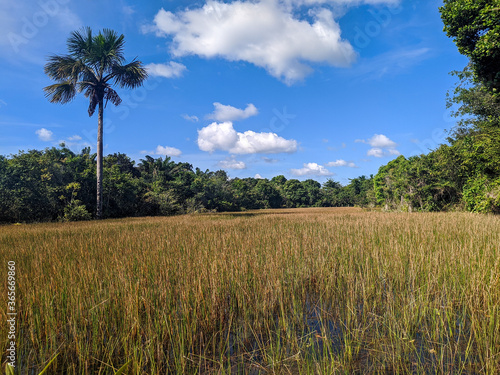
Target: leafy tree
94,62
331,191
475,28
268,195
295,193
313,192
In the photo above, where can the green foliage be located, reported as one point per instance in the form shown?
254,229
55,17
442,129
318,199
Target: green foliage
58,184
76,211
475,29
482,195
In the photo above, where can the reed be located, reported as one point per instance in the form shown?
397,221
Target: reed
309,291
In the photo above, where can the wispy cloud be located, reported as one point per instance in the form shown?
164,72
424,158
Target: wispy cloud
391,63
190,118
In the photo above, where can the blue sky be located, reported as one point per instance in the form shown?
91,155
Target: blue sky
305,88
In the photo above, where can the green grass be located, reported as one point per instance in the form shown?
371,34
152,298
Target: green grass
309,291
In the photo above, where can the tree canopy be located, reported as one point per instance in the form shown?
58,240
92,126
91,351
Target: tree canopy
474,26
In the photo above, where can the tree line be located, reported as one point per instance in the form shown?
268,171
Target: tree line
59,184
465,173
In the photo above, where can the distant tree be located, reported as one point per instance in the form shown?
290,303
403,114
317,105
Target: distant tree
94,62
295,193
268,194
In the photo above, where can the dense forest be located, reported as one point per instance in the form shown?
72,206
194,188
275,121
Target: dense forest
464,174
57,184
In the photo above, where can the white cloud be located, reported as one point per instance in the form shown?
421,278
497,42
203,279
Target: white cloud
258,176
167,151
376,152
170,70
217,137
232,163
265,33
44,134
228,113
380,140
311,169
190,118
224,137
381,146
75,138
341,163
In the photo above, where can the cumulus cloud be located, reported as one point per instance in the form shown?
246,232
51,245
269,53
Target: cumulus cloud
267,34
190,118
232,163
44,134
311,169
164,151
341,163
381,146
170,70
380,140
228,113
75,138
258,176
222,136
167,151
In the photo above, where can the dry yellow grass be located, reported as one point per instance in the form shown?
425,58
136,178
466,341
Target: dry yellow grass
285,291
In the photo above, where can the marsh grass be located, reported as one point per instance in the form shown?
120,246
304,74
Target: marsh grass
313,291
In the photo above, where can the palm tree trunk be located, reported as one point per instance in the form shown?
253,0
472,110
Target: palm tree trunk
99,159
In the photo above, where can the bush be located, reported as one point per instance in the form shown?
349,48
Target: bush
76,211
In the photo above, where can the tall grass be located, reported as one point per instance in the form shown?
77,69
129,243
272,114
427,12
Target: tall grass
311,291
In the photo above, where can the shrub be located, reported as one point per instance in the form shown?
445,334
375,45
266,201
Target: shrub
76,211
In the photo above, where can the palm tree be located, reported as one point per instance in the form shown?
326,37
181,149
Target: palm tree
93,64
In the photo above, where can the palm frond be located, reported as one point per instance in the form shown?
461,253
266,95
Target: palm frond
115,45
63,92
80,43
112,96
89,91
86,86
94,100
130,76
107,50
63,67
